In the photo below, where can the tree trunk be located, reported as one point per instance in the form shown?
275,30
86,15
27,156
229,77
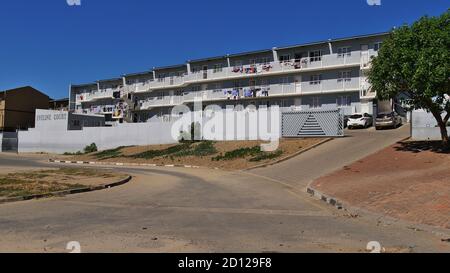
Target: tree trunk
443,126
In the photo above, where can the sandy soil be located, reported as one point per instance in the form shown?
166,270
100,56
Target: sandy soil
36,181
288,146
402,181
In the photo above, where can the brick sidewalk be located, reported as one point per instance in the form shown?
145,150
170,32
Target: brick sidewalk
401,181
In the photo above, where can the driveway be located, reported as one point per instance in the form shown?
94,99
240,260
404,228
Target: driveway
186,210
357,144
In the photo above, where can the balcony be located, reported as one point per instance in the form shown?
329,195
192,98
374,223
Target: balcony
272,68
331,85
266,91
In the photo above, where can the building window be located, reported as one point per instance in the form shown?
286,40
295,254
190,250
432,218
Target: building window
217,68
315,103
315,56
285,58
315,79
161,77
344,51
285,81
345,76
196,69
253,61
344,101
377,46
264,60
196,88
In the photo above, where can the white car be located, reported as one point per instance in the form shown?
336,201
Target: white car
360,121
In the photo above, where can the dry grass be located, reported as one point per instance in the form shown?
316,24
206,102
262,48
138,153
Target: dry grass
201,154
54,180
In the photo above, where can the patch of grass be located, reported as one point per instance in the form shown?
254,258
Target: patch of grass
77,153
165,152
112,153
239,153
204,148
12,187
266,156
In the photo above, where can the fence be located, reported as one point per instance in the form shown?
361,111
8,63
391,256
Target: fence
424,126
324,123
9,142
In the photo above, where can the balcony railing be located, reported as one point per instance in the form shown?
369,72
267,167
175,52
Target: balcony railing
322,86
308,63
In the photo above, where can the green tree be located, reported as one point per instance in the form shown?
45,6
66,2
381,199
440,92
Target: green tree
415,60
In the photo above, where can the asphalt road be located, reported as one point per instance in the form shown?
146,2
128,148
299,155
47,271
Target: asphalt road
186,210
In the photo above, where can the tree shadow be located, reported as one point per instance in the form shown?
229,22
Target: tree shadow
422,146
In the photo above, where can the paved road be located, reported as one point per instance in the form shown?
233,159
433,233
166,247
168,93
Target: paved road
333,155
185,210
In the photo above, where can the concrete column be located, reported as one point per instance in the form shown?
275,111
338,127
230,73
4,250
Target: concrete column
154,74
188,65
228,61
330,46
275,54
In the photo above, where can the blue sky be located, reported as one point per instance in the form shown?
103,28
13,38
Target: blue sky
49,44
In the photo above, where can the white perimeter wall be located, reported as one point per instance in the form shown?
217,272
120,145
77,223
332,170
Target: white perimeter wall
57,139
424,126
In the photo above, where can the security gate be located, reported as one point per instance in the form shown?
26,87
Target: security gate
10,142
321,123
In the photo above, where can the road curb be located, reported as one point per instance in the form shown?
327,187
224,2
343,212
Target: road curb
67,192
121,164
289,156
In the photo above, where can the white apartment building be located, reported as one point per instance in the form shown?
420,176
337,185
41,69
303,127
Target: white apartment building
320,75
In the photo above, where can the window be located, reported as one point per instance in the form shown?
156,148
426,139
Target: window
285,58
315,56
315,79
196,69
238,63
253,61
217,68
315,102
161,77
377,46
196,88
216,87
76,122
344,51
344,101
345,76
264,82
285,81
265,60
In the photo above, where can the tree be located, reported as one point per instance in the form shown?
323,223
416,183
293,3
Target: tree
415,60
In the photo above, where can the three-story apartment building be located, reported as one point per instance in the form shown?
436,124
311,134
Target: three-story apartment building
327,74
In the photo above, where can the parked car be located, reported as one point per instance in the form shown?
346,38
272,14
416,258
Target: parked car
346,121
360,120
388,120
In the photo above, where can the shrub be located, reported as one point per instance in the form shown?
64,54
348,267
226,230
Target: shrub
90,149
266,156
242,152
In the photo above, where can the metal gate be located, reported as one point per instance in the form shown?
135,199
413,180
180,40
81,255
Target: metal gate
10,142
321,123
